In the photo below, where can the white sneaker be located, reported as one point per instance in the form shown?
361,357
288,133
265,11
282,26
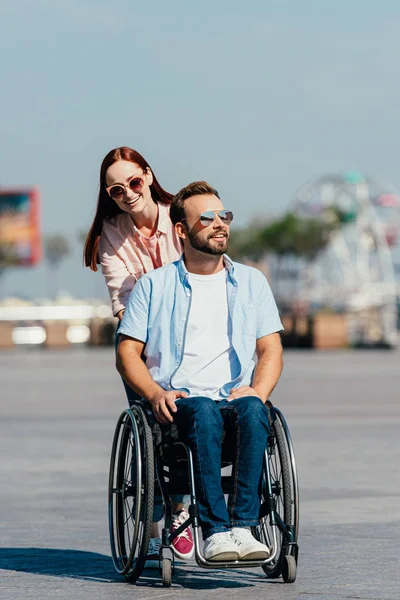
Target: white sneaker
249,548
153,554
220,546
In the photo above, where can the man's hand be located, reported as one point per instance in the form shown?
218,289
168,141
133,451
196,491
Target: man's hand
243,391
163,405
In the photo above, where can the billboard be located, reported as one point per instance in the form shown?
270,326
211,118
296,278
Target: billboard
20,236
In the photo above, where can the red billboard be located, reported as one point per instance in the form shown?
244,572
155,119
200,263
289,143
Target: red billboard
20,236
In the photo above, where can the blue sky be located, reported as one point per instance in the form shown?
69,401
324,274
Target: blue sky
256,97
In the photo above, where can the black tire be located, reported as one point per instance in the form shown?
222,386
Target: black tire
166,572
131,492
294,481
282,481
289,569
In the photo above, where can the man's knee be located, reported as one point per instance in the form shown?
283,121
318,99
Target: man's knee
199,423
252,410
200,409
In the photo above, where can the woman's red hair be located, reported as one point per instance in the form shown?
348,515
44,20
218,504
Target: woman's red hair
107,208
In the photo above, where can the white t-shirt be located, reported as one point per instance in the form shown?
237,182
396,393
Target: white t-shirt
209,360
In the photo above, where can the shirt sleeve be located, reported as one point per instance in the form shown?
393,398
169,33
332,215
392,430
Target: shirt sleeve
268,320
118,279
136,316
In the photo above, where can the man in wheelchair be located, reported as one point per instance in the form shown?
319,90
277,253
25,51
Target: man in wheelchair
199,322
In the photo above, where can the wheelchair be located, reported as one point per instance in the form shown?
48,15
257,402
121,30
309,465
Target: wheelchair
149,459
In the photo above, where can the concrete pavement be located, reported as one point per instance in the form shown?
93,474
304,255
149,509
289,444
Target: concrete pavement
58,411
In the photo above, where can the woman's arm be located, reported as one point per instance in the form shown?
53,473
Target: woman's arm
119,280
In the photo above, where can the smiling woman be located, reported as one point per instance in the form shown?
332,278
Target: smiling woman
131,233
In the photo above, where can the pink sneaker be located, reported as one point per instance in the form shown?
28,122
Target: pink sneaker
183,544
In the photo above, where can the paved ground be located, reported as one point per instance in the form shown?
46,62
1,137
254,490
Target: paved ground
57,415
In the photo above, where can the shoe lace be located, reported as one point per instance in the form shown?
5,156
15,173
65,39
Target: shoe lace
178,519
223,536
243,536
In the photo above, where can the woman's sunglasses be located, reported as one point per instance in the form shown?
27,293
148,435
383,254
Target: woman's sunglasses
118,191
208,217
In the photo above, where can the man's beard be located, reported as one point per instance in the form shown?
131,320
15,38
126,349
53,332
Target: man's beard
205,246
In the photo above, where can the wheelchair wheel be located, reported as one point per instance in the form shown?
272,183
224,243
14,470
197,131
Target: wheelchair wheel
284,486
289,569
131,492
166,568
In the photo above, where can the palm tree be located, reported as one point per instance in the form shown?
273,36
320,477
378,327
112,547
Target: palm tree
56,249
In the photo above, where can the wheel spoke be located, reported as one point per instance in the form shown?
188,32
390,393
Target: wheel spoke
128,512
129,460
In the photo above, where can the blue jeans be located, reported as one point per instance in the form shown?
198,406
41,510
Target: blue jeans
201,423
133,396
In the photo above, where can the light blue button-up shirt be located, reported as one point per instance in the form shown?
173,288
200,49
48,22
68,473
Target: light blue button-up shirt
158,309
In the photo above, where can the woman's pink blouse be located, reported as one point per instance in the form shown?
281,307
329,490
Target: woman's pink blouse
125,254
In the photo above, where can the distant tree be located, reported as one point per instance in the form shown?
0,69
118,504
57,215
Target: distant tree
8,258
292,240
246,243
56,248
8,255
312,238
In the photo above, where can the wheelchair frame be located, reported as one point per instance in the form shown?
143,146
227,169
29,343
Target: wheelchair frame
139,466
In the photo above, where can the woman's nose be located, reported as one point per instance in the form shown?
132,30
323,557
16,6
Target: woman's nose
129,193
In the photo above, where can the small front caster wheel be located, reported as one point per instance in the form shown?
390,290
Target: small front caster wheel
166,572
289,568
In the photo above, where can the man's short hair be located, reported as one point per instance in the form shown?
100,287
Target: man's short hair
197,188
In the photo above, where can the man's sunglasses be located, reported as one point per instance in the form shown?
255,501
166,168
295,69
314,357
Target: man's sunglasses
208,217
118,191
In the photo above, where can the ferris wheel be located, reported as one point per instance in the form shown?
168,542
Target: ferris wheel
355,272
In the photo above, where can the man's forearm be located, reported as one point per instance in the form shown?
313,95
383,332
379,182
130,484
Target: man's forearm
267,373
134,371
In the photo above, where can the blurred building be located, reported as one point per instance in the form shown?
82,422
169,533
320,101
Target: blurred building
62,324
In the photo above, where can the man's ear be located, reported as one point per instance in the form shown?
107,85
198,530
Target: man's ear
181,230
149,176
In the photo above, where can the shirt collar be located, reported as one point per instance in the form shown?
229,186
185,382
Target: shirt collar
183,272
